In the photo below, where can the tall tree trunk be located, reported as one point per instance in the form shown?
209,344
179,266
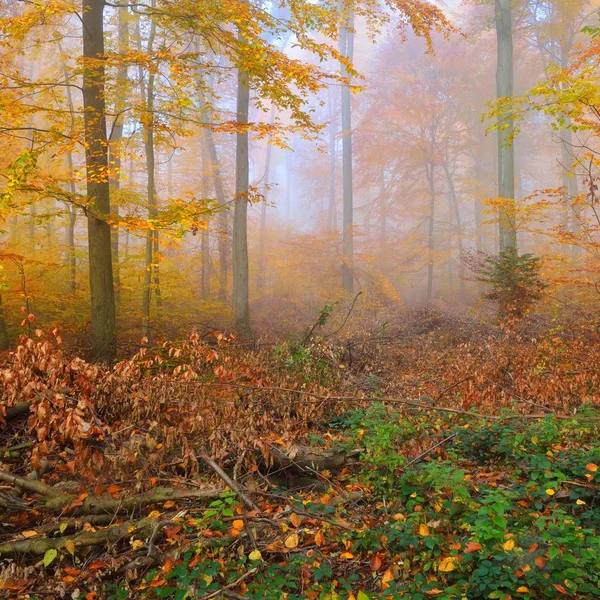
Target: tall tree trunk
71,211
454,207
260,283
430,173
223,221
506,153
116,140
331,209
382,215
205,239
347,50
241,302
103,337
477,209
151,233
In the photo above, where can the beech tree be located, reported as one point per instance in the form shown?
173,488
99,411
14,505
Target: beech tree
103,342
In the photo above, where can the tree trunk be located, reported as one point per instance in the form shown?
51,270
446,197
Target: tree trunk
205,239
215,169
151,234
115,139
260,284
430,173
506,154
331,209
459,229
103,337
241,306
347,50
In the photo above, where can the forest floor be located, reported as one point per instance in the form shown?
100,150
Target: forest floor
433,455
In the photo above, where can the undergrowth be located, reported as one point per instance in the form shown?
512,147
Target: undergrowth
505,508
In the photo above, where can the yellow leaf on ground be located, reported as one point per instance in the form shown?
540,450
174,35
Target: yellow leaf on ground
295,520
135,544
447,565
255,555
70,546
509,544
523,589
424,530
591,467
291,541
238,524
29,534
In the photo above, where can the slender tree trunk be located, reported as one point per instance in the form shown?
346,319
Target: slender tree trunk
103,336
454,207
241,302
477,210
506,151
331,209
347,50
205,239
382,215
116,140
263,214
430,169
430,173
223,214
71,211
151,233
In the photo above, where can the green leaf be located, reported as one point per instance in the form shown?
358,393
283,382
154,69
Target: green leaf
49,556
362,596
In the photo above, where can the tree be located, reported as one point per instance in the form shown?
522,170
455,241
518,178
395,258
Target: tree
103,343
506,151
241,294
346,42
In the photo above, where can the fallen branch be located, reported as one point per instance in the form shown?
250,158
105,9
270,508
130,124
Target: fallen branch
230,483
17,410
59,502
40,545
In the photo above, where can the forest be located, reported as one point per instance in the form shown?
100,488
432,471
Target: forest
299,299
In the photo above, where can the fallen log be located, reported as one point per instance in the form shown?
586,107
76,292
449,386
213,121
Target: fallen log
40,545
17,410
311,459
58,502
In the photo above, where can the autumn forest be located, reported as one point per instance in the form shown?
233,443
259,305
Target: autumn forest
299,299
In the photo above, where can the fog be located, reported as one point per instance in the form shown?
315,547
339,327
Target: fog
425,167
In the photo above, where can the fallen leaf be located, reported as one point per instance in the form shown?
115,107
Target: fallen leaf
447,565
49,557
295,520
387,577
238,524
540,562
591,467
291,541
70,546
376,563
424,530
255,555
29,533
472,547
523,589
509,544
